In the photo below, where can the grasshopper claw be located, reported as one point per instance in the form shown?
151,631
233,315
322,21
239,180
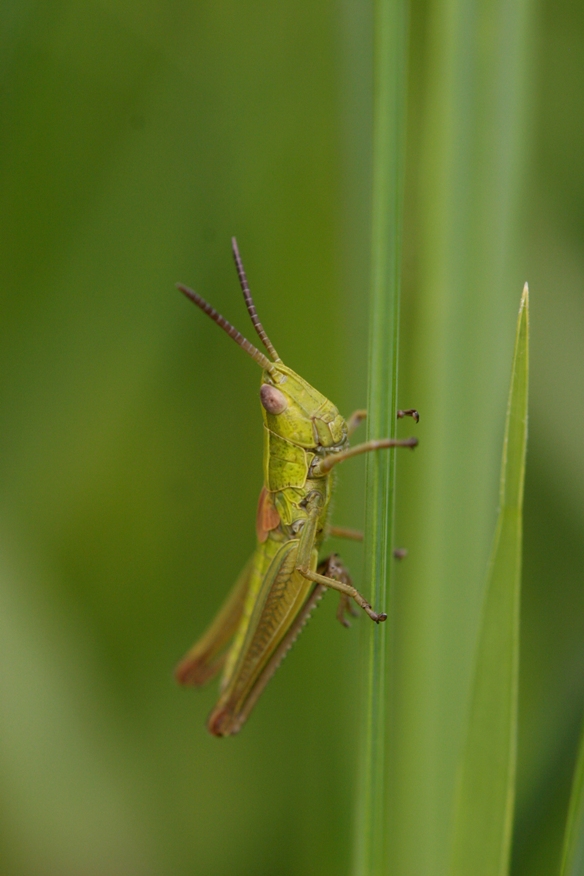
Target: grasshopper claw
410,412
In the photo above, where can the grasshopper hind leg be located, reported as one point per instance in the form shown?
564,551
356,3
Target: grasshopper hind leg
222,722
346,590
305,547
333,567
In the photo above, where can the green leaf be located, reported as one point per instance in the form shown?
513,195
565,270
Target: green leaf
484,812
388,173
573,851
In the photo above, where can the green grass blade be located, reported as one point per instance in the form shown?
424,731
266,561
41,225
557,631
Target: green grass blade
389,130
573,851
484,813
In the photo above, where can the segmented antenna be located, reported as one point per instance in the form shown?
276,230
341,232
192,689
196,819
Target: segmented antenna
227,327
250,305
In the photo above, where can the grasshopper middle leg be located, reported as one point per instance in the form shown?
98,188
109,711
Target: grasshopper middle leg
344,532
355,420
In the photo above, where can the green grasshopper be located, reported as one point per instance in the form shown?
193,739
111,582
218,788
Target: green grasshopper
305,437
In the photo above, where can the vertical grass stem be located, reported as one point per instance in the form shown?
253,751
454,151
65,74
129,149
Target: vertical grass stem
390,33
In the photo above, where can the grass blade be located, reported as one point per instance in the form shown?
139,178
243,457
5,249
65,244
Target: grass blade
484,813
573,851
388,148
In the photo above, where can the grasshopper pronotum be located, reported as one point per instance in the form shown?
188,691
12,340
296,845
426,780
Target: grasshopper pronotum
304,438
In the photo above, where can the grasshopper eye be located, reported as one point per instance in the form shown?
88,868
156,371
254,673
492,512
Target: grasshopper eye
272,399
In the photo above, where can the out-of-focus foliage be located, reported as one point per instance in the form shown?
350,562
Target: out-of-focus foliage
136,138
573,849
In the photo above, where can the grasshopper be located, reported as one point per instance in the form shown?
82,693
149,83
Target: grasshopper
305,437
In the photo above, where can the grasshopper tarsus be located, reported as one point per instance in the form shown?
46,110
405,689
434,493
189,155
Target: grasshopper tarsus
342,619
409,412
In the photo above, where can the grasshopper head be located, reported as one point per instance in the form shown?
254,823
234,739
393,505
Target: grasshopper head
296,411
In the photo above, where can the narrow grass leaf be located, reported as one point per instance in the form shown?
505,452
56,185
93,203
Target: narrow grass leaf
484,812
573,851
388,149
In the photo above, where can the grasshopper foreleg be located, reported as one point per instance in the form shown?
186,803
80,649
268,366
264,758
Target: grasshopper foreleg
322,467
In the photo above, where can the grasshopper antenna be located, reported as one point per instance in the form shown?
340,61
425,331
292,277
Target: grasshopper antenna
197,299
250,305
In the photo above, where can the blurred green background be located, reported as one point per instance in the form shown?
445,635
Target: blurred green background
136,138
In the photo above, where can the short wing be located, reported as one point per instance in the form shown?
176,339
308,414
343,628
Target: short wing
205,658
276,598
267,518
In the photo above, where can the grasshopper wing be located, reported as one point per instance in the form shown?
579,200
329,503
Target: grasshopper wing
276,600
207,655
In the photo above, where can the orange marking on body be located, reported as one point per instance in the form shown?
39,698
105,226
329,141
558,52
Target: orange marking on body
267,517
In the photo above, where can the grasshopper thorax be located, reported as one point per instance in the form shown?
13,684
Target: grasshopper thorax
295,411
